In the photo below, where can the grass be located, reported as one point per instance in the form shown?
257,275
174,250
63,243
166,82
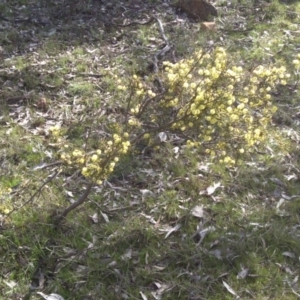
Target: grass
137,236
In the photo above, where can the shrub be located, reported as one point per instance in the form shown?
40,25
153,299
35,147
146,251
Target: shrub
217,107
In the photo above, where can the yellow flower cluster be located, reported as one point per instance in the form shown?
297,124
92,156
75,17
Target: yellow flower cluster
98,164
223,107
296,62
140,90
5,191
55,130
5,199
133,121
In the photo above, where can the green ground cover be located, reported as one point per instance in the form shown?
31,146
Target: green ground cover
168,221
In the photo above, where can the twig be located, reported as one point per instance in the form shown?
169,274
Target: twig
37,192
56,163
134,23
166,48
90,75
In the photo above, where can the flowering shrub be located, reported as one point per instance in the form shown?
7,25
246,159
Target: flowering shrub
222,109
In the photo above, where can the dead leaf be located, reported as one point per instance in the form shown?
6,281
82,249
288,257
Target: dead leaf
161,289
143,296
51,296
211,189
289,177
105,217
112,264
216,253
202,233
52,32
10,284
127,255
94,218
289,254
162,137
277,181
243,273
173,229
229,289
209,26
198,211
295,281
285,268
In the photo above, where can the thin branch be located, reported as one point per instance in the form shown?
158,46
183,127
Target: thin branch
36,193
44,166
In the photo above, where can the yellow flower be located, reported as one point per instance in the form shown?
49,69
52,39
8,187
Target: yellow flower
241,106
193,85
234,117
94,157
283,82
151,94
200,72
186,85
227,159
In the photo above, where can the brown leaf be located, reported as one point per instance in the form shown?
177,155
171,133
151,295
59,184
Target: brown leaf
209,26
